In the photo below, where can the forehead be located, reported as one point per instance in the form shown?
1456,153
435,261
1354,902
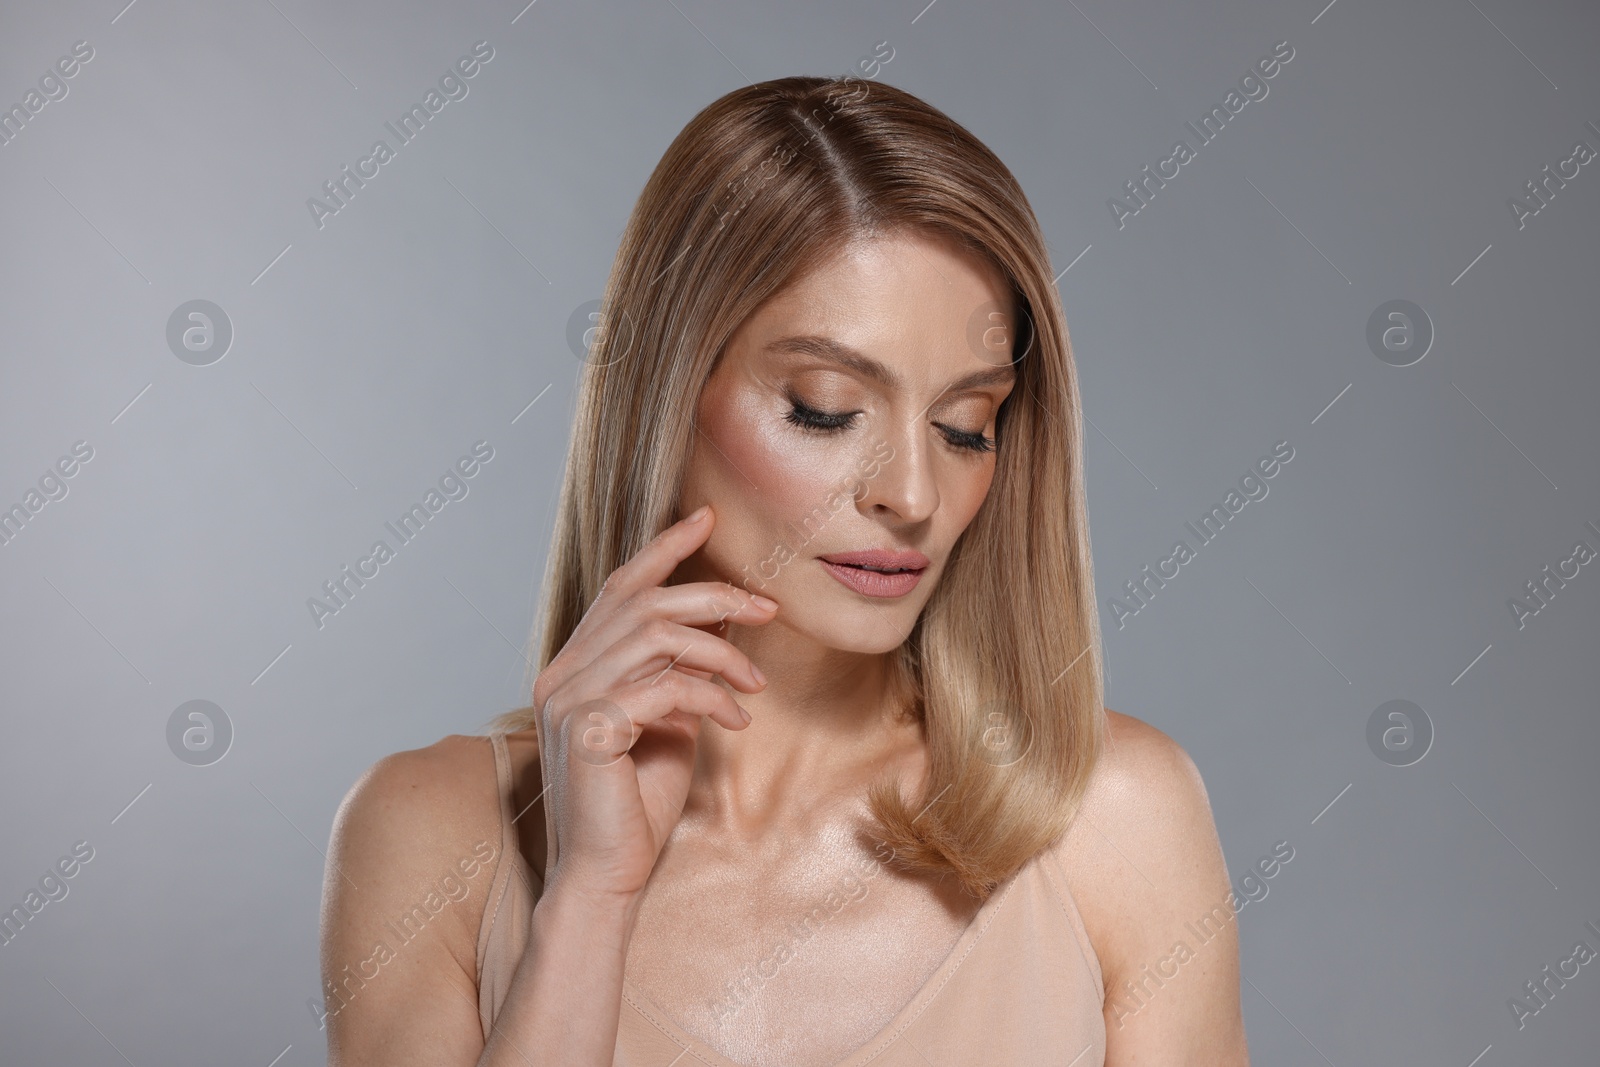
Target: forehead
905,293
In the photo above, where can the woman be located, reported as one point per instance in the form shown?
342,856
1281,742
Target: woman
816,770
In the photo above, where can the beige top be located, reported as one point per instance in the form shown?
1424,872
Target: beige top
1022,986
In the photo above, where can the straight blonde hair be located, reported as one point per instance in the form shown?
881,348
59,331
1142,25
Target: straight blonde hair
1004,666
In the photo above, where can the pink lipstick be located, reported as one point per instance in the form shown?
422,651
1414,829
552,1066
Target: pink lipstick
877,572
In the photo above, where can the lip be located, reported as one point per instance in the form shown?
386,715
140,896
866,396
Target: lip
879,557
846,567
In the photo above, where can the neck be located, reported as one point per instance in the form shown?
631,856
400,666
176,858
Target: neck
827,724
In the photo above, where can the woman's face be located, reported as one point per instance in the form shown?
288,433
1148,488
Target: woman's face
854,411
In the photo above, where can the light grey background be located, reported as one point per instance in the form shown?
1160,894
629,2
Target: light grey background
369,354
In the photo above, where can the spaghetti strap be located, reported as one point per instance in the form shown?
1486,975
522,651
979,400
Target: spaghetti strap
502,774
1056,877
509,906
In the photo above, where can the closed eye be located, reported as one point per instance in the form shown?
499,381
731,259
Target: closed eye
811,419
829,422
970,440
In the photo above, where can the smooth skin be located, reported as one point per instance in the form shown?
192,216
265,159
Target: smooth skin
674,855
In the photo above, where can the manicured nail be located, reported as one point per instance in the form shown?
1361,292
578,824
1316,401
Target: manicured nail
762,678
763,602
746,714
697,516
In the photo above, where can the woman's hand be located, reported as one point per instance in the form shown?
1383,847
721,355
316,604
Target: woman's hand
620,708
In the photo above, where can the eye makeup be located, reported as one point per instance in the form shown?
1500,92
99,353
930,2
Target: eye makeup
815,420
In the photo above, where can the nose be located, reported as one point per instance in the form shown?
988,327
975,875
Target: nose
904,485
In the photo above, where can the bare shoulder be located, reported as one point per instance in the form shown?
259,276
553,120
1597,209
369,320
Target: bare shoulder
445,771
410,861
418,807
1144,823
1144,779
1144,863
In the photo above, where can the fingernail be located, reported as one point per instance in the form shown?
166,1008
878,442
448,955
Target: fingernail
697,516
746,714
762,678
763,602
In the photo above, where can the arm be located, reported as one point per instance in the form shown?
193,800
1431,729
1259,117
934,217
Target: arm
399,981
565,997
1158,907
400,923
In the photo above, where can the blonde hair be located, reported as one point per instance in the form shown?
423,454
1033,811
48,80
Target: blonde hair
1004,665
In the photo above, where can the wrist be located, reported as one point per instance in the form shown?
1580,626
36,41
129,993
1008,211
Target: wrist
570,900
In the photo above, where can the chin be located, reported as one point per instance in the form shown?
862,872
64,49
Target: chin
869,637
864,628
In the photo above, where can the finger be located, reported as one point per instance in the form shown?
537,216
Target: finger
655,562
648,700
694,604
657,645
648,568
706,604
599,731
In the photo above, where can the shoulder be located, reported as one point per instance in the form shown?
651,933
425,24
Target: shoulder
441,803
419,803
1144,781
1144,864
410,861
1143,833
1144,785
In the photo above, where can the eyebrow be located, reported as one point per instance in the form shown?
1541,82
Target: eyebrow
842,354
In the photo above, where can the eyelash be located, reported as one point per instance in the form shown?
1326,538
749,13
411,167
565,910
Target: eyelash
808,418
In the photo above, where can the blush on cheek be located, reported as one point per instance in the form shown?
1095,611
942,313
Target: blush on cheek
791,481
785,486
771,492
967,498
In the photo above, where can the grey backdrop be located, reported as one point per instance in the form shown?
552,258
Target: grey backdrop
432,311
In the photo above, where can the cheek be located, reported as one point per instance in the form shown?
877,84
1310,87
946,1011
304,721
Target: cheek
963,487
768,483
781,469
